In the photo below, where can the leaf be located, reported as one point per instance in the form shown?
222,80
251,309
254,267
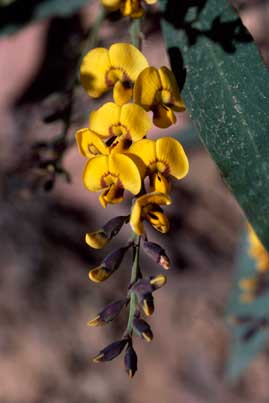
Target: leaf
227,95
19,13
242,353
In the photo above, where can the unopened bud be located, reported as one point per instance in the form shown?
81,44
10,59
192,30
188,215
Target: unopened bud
96,240
111,351
148,304
110,264
130,361
142,328
158,281
100,238
157,253
108,313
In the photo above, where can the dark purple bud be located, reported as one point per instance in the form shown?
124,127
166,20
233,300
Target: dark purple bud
108,313
157,253
111,351
130,361
143,329
112,227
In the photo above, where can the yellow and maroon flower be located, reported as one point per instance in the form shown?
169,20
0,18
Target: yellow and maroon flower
147,207
157,90
102,69
163,158
111,174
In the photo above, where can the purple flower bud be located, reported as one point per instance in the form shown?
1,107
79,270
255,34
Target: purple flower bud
112,227
111,351
108,313
143,329
157,253
130,361
110,264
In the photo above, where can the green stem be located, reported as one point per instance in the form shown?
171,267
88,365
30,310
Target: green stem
134,277
135,33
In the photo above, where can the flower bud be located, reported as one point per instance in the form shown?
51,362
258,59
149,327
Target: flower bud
130,361
111,351
108,313
142,328
157,253
100,238
143,289
157,281
148,304
97,239
110,264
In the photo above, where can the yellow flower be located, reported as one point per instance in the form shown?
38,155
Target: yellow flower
148,207
132,8
257,251
163,158
90,144
157,90
123,124
112,174
118,67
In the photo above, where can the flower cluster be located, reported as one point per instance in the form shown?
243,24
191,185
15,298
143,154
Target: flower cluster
121,158
128,8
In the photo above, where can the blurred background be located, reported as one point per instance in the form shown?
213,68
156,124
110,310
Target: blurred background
46,298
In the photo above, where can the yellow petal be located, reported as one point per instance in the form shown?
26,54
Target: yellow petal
170,93
99,274
112,195
136,219
122,92
159,183
111,5
146,87
142,201
150,1
126,169
163,116
96,240
93,173
89,144
154,198
146,150
158,220
136,120
93,71
128,58
132,8
104,119
170,151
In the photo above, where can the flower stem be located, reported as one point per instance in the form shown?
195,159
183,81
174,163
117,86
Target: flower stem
134,277
135,33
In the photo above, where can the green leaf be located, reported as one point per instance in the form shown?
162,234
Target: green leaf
227,95
19,13
242,353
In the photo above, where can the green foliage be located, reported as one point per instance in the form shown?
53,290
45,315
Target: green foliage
19,13
226,93
243,352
